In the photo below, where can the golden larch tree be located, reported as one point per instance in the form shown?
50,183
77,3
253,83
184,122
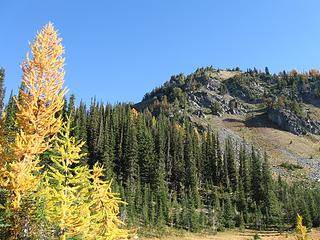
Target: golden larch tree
105,210
79,204
73,199
68,188
300,229
40,100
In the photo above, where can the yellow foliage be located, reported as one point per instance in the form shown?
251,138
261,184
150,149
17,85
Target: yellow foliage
134,113
40,99
105,209
293,73
41,96
300,229
68,188
77,202
196,133
314,72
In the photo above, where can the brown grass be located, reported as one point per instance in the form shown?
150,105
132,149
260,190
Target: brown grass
263,134
233,235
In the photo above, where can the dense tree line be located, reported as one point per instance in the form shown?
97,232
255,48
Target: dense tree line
171,174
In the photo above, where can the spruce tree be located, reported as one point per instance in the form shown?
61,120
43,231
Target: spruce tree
228,212
231,165
2,89
271,206
191,181
131,165
256,181
244,173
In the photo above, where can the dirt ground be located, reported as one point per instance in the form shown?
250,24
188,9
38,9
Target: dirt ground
314,235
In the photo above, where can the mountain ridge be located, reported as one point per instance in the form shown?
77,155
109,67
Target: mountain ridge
277,113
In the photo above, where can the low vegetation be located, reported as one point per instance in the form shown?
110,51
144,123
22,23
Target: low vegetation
291,166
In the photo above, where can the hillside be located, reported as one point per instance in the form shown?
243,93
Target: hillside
277,113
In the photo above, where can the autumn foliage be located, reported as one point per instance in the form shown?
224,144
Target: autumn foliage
71,200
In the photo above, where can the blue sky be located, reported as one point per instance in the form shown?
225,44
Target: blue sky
118,50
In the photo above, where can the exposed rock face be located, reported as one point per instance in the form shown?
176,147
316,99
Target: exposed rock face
290,122
205,99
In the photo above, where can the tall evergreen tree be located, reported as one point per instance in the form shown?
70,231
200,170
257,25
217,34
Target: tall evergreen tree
231,165
2,89
256,177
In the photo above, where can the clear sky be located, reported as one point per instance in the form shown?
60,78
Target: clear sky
118,50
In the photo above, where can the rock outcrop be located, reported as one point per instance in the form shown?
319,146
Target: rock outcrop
290,122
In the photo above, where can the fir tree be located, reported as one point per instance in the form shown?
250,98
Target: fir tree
256,177
231,165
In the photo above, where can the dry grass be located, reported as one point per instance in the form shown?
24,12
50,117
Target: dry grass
281,146
233,235
268,137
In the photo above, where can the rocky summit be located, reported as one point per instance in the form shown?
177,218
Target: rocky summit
278,113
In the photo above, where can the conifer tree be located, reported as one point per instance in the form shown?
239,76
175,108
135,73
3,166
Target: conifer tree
228,212
231,165
131,165
300,229
256,177
2,89
67,185
104,218
271,205
80,129
244,173
221,176
40,98
146,155
191,182
71,108
177,152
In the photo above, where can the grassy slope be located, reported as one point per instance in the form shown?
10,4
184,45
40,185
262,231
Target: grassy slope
281,146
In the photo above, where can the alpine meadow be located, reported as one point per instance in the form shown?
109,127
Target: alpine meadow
216,153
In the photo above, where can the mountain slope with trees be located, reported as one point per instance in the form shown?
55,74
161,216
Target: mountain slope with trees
165,156
278,113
